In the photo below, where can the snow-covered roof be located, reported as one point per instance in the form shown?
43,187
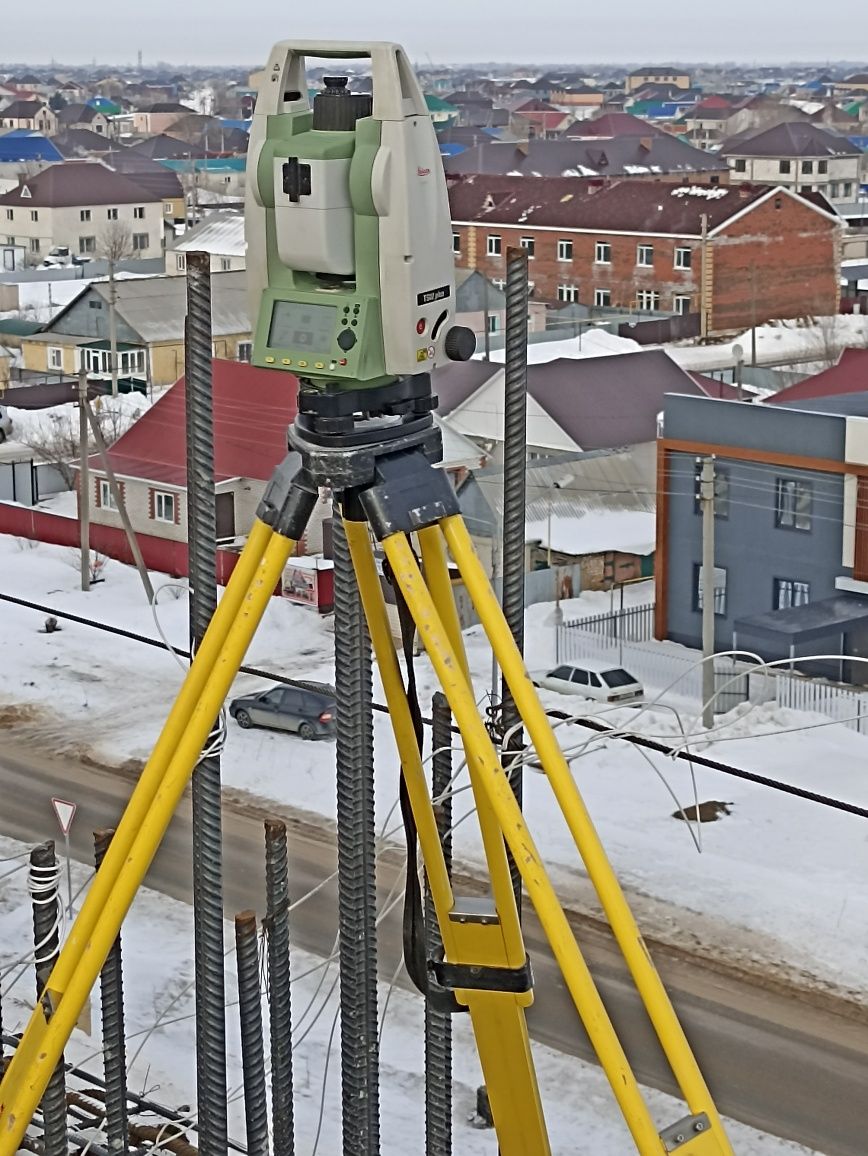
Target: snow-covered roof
221,234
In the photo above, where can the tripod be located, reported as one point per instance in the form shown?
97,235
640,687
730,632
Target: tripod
375,449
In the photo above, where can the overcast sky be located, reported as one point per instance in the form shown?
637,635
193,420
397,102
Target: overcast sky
202,31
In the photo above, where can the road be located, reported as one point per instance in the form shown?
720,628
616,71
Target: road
772,1061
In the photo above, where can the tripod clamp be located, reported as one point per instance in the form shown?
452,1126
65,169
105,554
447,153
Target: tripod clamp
374,446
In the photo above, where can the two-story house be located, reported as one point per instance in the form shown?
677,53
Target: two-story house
665,74
85,206
790,528
734,256
221,235
156,118
33,115
799,156
83,116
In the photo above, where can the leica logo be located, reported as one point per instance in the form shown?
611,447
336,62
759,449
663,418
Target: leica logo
420,172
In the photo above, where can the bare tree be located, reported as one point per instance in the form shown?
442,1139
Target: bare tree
55,437
116,244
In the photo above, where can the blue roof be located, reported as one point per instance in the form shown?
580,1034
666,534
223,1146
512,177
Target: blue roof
451,150
228,122
203,165
861,142
15,147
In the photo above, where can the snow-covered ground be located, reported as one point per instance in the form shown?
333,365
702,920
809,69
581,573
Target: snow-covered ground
778,884
814,344
591,343
161,1051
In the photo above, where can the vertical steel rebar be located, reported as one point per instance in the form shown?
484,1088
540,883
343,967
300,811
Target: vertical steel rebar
514,501
356,837
438,1024
279,989
252,1048
46,937
207,822
111,987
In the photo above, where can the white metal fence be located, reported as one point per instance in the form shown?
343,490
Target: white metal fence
658,666
632,624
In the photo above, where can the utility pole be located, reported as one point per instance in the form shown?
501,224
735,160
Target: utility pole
707,585
703,284
83,481
753,316
113,326
486,322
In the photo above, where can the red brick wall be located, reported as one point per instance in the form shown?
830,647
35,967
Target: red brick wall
622,278
784,259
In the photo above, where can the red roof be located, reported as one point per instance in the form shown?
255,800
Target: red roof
850,375
252,409
714,388
712,102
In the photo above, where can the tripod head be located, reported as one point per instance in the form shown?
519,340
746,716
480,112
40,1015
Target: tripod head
349,249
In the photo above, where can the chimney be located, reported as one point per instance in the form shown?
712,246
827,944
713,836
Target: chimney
646,144
523,147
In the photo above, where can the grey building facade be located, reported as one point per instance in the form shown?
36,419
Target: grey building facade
791,530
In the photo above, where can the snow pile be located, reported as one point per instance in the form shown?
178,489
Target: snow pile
815,344
630,531
592,342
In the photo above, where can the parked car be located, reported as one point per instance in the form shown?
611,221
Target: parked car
592,679
308,710
5,424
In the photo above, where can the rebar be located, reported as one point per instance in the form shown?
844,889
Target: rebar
46,937
514,503
111,988
279,988
252,1047
207,824
438,1024
356,838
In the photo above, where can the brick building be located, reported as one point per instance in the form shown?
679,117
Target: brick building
735,256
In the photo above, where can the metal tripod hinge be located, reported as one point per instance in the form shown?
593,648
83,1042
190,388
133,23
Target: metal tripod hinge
692,1136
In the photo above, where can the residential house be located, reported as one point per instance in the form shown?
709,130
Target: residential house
577,98
849,375
22,150
442,112
650,75
150,314
83,116
160,181
85,206
475,110
252,409
612,124
858,82
33,115
790,530
705,124
798,156
538,118
157,118
82,144
734,256
655,155
221,234
481,306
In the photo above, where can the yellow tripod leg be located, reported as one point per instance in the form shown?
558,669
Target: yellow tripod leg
498,1018
626,931
495,784
111,894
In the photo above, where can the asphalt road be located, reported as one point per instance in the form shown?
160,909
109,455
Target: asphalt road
772,1061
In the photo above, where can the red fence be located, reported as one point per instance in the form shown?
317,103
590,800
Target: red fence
159,553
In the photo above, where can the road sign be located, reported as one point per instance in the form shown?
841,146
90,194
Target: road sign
65,812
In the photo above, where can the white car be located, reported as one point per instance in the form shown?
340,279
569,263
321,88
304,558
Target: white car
591,679
5,424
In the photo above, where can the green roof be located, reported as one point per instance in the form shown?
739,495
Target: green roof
438,104
16,327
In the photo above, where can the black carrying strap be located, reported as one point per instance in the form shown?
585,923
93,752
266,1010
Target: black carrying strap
415,938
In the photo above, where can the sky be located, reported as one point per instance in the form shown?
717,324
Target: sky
632,31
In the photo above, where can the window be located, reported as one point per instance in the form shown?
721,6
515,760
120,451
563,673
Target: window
10,214
167,207
34,214
568,293
139,212
805,188
681,305
181,261
847,189
683,258
456,242
34,244
721,490
822,166
55,357
141,241
96,360
493,323
807,166
164,507
87,245
84,215
493,245
645,256
793,504
647,300
132,361
528,244
112,214
719,590
784,166
833,189
788,592
10,240
580,676
245,350
94,303
106,497
603,253
562,672
740,165
565,250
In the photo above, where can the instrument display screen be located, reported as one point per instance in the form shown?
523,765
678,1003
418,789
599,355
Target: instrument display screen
298,326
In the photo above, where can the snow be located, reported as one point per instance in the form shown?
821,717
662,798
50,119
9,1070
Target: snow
158,990
777,888
60,423
708,194
592,343
818,341
630,531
